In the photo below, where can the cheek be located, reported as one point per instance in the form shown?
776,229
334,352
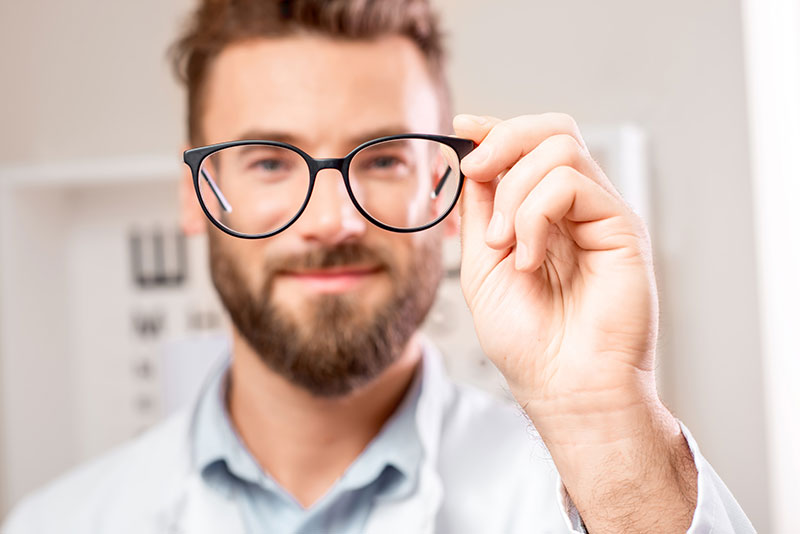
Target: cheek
286,299
244,255
421,254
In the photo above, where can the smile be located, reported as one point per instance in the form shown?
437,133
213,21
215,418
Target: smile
332,280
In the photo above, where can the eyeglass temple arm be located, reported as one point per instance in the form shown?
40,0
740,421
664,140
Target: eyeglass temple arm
217,193
440,185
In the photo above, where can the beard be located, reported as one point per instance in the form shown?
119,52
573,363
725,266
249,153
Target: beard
337,345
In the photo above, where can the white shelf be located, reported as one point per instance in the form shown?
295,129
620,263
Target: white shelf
102,172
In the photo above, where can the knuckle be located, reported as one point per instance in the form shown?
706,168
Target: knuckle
521,218
526,215
563,175
502,130
524,123
563,122
528,119
502,192
566,148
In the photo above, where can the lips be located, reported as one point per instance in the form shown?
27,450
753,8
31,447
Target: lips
332,280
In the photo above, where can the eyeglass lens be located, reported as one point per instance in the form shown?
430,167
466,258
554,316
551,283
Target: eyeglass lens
401,183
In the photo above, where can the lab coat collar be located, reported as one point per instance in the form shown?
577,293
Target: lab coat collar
417,512
195,508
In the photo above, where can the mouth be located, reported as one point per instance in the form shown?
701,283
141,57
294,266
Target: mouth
332,280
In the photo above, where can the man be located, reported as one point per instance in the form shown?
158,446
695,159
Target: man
334,414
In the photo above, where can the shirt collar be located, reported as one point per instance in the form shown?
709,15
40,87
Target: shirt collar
217,447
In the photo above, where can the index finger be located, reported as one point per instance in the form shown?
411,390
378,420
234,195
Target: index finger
474,127
509,140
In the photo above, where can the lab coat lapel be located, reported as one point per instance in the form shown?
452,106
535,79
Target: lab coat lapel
415,513
418,511
200,510
186,504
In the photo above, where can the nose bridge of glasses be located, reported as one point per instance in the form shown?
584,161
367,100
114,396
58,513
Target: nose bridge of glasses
330,211
329,185
328,163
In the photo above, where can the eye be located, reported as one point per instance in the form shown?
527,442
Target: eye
272,169
271,165
386,162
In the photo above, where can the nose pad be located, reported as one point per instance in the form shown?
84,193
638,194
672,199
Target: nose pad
330,214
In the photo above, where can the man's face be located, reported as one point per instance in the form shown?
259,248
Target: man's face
332,301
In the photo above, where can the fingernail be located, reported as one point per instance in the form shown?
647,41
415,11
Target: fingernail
523,256
477,156
495,229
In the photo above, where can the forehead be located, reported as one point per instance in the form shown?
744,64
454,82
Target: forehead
319,89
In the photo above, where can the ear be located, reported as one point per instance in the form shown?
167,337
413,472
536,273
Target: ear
193,220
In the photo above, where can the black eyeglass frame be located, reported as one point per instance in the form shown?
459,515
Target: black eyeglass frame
194,158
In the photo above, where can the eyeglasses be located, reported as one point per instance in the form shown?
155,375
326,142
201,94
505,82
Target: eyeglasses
401,183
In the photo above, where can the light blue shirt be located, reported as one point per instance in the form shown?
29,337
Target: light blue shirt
389,466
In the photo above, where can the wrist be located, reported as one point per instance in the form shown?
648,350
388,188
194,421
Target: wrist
602,406
643,458
608,421
576,440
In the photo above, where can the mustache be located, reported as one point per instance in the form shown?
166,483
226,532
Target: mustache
336,256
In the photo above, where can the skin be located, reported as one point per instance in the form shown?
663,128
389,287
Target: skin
561,289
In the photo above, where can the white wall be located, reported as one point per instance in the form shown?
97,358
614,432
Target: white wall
81,79
88,78
773,52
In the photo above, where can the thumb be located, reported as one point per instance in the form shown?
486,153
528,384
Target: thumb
478,201
477,198
477,258
477,204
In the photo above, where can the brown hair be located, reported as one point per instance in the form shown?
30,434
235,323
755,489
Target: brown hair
217,24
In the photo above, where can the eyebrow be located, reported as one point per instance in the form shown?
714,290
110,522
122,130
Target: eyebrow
296,140
266,135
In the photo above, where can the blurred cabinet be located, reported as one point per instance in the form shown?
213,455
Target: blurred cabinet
108,320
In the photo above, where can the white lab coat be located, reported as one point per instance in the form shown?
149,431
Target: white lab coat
484,471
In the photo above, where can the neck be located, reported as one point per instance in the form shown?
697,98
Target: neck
305,442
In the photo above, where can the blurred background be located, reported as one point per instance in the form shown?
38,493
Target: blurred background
107,320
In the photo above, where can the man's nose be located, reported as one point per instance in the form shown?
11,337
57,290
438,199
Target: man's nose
330,216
